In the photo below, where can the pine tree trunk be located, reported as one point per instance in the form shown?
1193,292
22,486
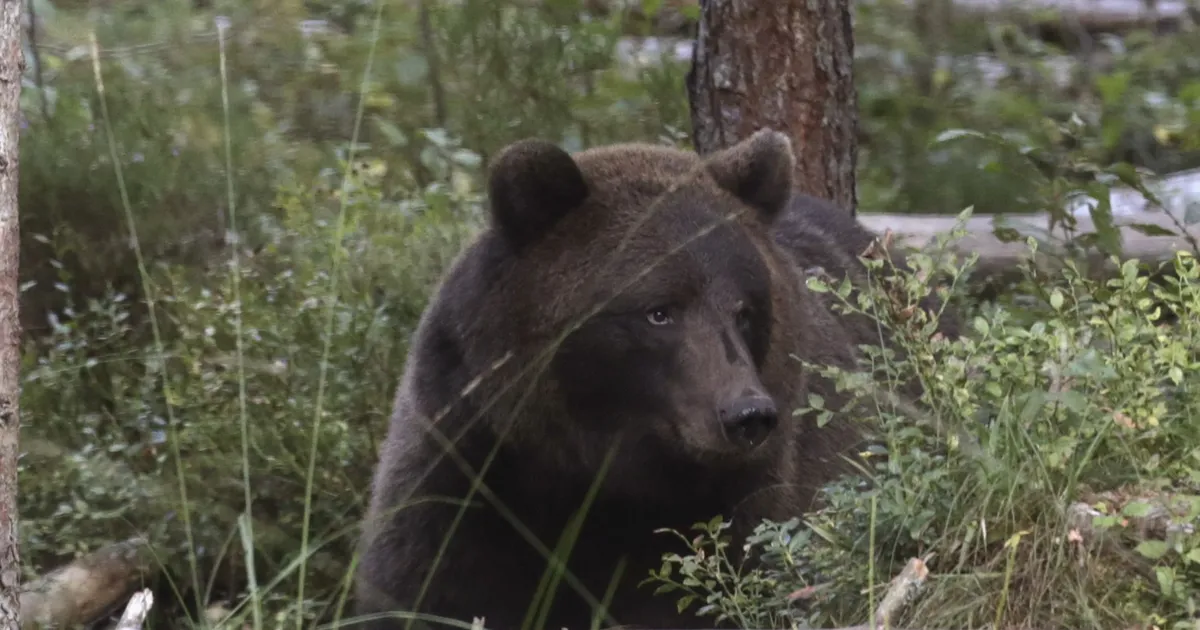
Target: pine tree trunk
12,66
784,64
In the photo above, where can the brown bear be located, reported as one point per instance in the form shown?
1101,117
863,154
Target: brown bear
624,334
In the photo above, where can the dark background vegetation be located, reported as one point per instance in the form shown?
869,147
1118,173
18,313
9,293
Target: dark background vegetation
143,422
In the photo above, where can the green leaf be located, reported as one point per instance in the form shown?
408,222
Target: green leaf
816,284
954,134
1056,300
1176,374
1126,173
1034,401
1107,234
394,135
1137,509
1166,579
1153,549
412,69
1006,234
467,158
1150,229
1113,86
1072,400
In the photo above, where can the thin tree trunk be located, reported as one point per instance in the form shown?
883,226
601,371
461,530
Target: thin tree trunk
784,64
429,43
12,66
930,24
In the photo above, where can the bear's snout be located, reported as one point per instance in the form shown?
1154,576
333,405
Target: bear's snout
748,420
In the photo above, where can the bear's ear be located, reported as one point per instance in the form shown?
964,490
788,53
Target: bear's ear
757,170
533,184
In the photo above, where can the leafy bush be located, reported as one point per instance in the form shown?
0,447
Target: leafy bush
1090,410
124,430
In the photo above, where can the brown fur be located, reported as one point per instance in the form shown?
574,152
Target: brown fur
569,237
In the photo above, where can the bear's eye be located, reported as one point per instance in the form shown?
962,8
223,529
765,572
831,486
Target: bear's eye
659,316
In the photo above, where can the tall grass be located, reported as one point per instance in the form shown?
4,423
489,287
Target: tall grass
346,195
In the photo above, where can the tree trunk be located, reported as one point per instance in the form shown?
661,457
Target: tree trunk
12,66
784,64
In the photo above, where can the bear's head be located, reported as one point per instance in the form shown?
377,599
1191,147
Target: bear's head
650,274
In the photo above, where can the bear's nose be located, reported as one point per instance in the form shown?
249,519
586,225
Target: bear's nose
748,421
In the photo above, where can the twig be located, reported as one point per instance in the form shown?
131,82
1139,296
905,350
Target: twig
136,611
904,588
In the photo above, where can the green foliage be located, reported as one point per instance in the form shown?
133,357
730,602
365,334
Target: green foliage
919,75
294,97
96,417
1094,404
744,597
120,423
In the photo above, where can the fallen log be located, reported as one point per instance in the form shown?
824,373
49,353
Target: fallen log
996,255
1092,16
643,52
1132,215
1072,16
87,588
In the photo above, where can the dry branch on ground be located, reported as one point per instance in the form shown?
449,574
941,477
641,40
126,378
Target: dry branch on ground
84,590
136,610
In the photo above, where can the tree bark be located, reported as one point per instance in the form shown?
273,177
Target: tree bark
12,66
784,64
